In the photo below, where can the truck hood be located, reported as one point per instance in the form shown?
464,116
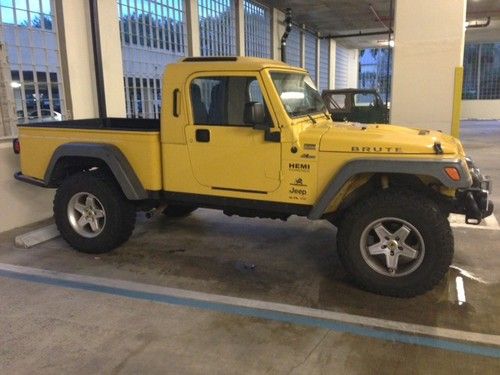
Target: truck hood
384,139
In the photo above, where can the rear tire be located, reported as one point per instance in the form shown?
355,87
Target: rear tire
92,213
177,211
396,243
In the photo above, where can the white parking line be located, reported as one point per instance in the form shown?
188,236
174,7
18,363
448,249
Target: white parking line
65,279
489,223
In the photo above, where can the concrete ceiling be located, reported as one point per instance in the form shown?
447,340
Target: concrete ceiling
337,17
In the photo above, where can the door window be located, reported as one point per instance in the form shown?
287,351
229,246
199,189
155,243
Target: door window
365,100
336,102
222,100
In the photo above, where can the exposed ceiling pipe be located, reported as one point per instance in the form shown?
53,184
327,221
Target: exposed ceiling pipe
389,54
353,35
378,17
284,37
484,12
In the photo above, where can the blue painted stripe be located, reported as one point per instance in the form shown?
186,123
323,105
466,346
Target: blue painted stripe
359,330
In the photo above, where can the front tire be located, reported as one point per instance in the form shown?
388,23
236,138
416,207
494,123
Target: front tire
396,243
92,213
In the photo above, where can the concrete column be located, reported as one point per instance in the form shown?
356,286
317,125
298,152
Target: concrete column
75,39
353,68
332,50
277,31
77,60
193,27
8,118
428,46
112,59
240,28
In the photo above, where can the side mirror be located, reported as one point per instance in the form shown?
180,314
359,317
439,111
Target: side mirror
255,115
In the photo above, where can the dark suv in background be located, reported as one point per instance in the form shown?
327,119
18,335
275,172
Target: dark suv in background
358,105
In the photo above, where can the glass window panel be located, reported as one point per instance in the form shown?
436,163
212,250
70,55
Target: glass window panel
15,75
324,64
36,20
8,15
21,4
152,35
481,71
489,85
293,47
34,6
47,21
217,27
33,49
22,17
257,29
46,7
373,70
28,76
310,54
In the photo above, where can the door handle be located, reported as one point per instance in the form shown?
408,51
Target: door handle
202,135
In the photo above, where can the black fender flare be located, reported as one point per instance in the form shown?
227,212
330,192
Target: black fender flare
109,154
433,168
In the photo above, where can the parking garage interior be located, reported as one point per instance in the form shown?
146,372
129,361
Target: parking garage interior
212,293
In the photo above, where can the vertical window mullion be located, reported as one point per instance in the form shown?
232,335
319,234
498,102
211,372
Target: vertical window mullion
478,72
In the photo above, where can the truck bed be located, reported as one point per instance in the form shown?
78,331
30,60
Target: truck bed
137,139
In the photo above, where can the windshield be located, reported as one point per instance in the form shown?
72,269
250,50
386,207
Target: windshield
298,94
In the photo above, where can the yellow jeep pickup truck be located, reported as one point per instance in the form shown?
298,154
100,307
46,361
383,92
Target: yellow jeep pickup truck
252,137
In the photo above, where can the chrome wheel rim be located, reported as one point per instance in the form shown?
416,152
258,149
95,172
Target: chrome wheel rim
392,247
86,214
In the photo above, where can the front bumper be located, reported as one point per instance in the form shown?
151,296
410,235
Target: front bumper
474,202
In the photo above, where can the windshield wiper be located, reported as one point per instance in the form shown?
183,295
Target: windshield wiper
312,118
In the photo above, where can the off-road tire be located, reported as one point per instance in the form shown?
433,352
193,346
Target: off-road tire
419,211
177,211
119,212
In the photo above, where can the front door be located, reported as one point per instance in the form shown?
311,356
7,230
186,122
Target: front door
226,152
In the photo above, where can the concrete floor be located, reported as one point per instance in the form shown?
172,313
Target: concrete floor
53,329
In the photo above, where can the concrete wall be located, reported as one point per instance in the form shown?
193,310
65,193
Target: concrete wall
346,67
481,109
20,203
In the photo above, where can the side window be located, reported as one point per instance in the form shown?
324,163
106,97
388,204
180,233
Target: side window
337,102
222,100
365,100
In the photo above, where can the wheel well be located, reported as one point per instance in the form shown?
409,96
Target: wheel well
69,165
378,181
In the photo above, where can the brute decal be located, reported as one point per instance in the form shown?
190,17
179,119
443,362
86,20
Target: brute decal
376,149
